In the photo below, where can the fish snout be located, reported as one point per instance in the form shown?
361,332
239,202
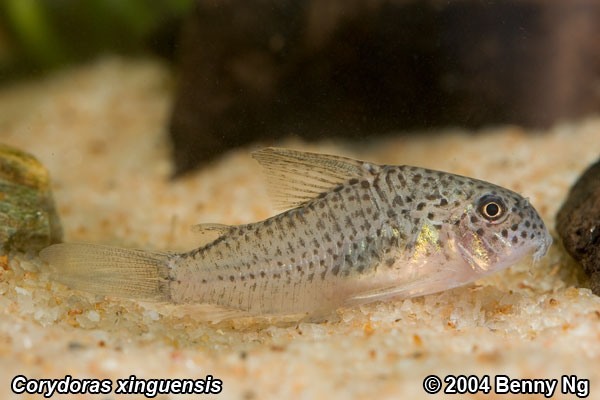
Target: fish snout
544,241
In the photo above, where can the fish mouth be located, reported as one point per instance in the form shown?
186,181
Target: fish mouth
543,247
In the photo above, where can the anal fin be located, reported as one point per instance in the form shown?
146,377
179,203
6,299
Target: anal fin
204,312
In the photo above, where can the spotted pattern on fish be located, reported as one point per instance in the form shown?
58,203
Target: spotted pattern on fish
353,232
357,237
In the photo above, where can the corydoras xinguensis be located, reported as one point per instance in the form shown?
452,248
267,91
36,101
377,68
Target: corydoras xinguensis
354,233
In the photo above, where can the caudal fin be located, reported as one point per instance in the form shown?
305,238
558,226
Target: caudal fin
110,271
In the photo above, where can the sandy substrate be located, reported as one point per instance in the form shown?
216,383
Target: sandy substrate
100,130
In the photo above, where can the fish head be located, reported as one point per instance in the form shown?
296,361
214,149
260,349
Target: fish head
495,228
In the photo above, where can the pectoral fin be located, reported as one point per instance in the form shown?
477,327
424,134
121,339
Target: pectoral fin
399,292
376,295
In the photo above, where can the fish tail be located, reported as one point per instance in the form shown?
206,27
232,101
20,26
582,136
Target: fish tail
110,271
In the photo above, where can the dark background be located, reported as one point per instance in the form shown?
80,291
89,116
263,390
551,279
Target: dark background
266,69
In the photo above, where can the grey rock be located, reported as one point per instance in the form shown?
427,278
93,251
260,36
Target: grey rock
578,224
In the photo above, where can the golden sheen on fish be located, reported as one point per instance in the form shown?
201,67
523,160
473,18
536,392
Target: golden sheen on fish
354,233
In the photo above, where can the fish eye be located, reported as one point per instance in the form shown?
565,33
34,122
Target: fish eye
491,208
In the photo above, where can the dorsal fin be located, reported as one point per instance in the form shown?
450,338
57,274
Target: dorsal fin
210,232
295,177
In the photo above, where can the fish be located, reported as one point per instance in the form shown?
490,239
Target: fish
352,232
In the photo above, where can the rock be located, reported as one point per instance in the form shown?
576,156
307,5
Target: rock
578,224
263,70
28,218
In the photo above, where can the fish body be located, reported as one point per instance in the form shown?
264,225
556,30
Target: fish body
355,232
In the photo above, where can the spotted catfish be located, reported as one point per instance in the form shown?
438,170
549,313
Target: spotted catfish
354,232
